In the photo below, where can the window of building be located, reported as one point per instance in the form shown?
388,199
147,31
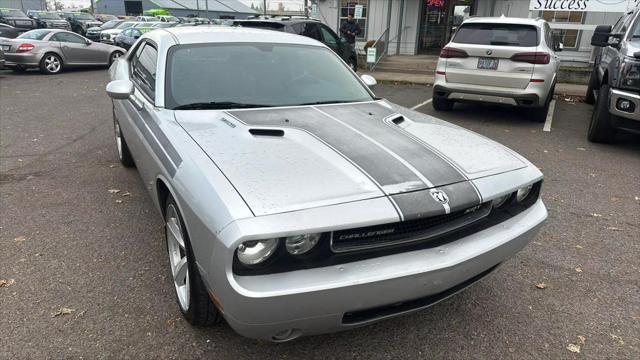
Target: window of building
569,38
349,7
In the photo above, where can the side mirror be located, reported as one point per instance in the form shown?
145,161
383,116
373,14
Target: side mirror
601,36
120,89
369,80
88,42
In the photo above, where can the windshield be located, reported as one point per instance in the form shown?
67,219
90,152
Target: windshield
109,24
258,75
34,34
83,16
47,16
125,25
12,13
497,35
635,34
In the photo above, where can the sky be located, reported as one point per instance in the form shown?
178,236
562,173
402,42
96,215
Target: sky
272,4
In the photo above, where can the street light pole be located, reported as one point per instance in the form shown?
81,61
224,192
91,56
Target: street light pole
264,7
93,9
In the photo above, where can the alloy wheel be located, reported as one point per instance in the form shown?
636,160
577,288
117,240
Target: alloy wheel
52,63
178,257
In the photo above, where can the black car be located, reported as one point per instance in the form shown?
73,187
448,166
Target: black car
10,32
614,86
16,18
81,21
128,37
46,19
306,27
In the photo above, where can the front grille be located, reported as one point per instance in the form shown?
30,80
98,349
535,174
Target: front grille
406,231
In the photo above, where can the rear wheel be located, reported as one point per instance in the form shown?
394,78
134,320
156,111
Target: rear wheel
442,104
50,64
600,129
191,292
540,114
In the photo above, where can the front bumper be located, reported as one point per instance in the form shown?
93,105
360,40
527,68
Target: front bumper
281,307
93,36
618,96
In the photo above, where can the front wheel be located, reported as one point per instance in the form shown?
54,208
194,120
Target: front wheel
600,129
124,155
50,64
593,80
442,104
191,292
540,114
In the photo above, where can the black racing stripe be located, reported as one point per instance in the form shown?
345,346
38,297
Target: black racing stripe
419,204
368,119
376,162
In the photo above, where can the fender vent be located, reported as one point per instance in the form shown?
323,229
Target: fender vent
399,120
266,132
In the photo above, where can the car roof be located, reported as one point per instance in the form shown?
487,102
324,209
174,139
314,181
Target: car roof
228,34
504,20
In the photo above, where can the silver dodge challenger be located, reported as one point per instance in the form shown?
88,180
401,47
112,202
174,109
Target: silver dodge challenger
53,50
296,202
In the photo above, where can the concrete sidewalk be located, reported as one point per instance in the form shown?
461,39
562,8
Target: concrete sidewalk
383,76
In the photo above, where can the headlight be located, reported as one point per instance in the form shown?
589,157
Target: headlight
630,74
501,200
256,251
523,193
300,244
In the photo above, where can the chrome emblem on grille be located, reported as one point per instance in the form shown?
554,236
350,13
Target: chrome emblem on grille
440,196
489,52
366,234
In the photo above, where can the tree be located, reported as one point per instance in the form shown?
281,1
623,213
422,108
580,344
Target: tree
55,5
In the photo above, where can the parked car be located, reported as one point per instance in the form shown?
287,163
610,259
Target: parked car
53,50
310,28
108,36
103,18
507,61
146,18
129,36
295,201
198,20
162,25
8,31
16,18
167,18
81,21
93,33
614,86
46,19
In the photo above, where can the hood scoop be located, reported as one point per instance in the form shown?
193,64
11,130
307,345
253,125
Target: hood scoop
267,132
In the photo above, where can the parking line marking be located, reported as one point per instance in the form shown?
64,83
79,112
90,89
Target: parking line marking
547,124
421,104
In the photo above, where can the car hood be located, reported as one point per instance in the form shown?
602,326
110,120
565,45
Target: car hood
285,159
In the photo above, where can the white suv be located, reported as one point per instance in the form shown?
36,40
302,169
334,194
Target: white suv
502,60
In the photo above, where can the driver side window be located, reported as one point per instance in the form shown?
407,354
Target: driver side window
143,69
68,38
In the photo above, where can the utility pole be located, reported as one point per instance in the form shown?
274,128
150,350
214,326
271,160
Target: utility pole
306,8
206,3
93,10
264,7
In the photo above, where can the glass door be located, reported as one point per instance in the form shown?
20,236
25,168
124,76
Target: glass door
440,19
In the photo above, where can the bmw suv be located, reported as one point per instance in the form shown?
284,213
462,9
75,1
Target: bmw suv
306,27
614,86
509,61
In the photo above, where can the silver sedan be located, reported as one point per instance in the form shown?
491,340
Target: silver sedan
295,201
53,50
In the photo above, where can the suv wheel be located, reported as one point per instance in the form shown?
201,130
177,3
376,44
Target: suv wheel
600,129
540,114
441,104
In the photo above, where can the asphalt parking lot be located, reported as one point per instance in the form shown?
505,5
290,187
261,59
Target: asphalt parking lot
69,243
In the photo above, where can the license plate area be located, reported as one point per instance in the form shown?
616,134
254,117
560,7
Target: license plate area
488,63
6,47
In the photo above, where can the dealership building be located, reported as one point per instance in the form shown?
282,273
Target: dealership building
425,26
212,9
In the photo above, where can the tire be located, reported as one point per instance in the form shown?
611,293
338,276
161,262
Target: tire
191,293
124,155
540,114
593,85
114,56
50,64
442,104
600,129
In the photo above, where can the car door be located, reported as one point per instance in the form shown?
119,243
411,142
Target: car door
78,50
139,114
122,38
330,39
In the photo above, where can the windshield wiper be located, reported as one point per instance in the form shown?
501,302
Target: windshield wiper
325,102
218,105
